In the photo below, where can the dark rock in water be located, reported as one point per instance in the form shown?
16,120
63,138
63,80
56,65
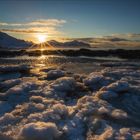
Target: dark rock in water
123,54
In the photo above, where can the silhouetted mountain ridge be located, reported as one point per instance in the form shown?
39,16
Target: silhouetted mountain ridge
73,43
7,41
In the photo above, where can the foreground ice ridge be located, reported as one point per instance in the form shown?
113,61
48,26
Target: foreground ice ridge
55,104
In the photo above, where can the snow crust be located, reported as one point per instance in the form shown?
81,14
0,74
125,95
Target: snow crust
100,106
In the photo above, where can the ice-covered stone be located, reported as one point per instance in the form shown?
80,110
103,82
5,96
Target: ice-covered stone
119,86
64,84
96,81
39,131
105,95
54,74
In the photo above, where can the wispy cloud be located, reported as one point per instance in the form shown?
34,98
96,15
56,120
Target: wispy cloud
9,24
48,22
134,35
113,41
127,35
48,30
49,26
40,22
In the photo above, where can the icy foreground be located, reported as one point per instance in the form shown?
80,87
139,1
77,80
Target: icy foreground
53,104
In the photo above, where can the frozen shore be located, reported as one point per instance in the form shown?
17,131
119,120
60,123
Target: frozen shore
53,103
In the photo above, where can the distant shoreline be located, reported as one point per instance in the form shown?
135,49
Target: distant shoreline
121,53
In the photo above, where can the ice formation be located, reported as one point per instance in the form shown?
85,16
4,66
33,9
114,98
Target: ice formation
100,106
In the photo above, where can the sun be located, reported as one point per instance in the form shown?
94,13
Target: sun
42,38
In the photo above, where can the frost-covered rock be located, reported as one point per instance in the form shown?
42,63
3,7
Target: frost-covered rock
29,108
60,87
18,93
39,131
60,109
8,118
74,129
119,86
37,99
89,106
107,134
9,83
119,114
64,84
106,95
96,81
136,136
48,69
32,108
54,74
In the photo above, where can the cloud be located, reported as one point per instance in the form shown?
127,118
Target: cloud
127,35
9,24
114,41
48,22
134,35
49,26
48,30
19,31
40,22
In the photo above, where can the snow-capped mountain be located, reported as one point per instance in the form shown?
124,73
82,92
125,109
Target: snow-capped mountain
7,41
68,44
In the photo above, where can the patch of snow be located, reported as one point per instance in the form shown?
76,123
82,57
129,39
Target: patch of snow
119,86
39,131
105,95
96,81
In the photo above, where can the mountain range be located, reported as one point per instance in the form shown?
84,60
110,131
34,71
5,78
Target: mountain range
7,41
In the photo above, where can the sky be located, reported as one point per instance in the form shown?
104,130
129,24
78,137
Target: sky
70,18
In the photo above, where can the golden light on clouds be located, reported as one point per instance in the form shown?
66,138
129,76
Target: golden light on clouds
34,30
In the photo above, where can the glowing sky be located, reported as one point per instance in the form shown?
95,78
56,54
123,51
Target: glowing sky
69,18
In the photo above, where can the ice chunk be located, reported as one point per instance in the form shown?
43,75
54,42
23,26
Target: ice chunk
96,81
8,118
119,86
106,95
37,99
60,109
64,84
119,114
136,136
39,131
107,134
9,83
54,74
